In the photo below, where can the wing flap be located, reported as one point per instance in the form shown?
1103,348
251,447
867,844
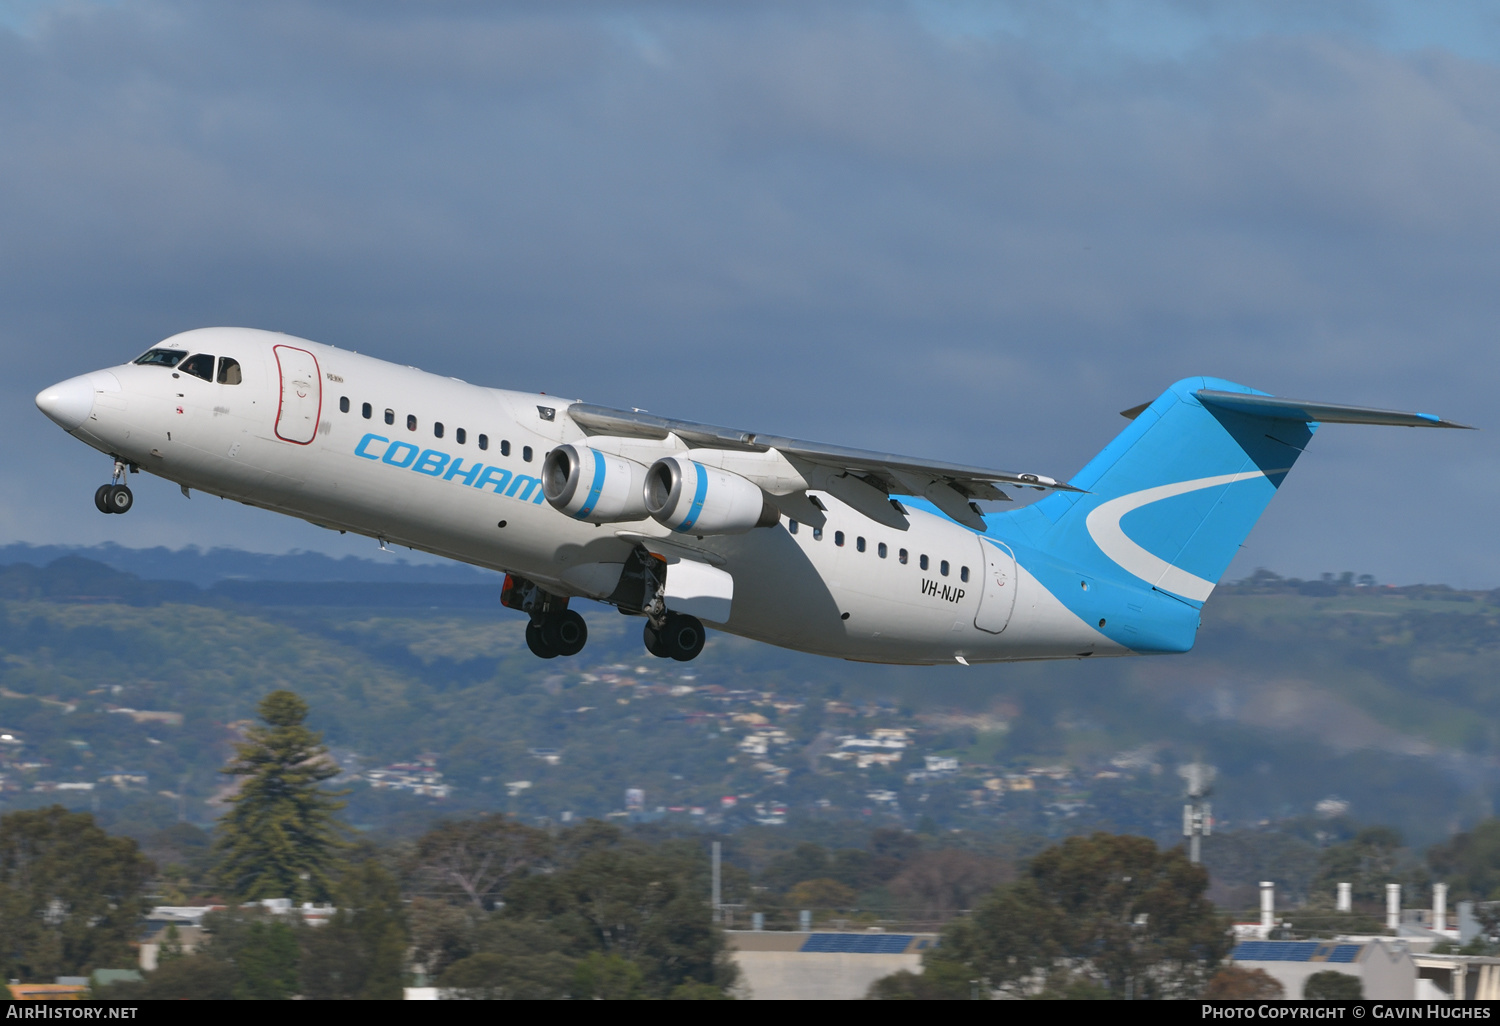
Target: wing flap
871,500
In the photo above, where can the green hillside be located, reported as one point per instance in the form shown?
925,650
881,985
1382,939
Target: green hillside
126,696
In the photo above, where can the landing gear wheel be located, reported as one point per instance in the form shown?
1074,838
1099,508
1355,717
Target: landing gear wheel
568,633
119,499
538,642
101,499
684,637
655,641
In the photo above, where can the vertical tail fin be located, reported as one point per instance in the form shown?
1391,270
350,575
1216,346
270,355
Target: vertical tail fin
1172,498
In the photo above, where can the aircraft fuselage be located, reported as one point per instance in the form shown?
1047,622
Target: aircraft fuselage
357,444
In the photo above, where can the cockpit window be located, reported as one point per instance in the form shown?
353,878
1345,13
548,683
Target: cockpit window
160,358
199,365
229,371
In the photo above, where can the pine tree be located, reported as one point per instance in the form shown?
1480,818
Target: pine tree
280,838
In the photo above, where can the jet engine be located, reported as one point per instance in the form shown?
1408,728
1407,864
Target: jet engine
587,484
693,499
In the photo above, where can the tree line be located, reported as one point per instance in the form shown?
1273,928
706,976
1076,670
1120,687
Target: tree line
484,907
491,907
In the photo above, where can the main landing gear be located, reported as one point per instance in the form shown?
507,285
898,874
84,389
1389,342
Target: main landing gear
557,634
116,496
554,630
680,637
642,591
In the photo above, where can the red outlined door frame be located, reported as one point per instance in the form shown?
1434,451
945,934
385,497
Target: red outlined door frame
281,394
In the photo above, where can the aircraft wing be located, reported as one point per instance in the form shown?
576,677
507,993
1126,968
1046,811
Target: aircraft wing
864,479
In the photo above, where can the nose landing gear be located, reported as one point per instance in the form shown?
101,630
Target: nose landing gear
116,496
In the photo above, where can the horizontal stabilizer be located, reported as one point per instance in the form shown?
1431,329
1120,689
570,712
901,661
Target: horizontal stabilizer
1325,413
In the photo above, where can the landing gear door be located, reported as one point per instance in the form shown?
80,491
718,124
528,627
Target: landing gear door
998,597
301,395
700,590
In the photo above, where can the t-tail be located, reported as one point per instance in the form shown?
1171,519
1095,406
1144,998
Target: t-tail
1167,504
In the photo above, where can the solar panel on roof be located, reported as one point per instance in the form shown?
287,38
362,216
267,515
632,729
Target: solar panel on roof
858,943
1274,951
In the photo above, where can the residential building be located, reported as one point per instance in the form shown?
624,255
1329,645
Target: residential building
821,966
1385,968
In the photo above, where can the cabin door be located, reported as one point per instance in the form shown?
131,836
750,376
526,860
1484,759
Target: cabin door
998,596
301,395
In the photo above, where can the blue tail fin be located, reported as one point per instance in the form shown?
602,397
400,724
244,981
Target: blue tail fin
1169,501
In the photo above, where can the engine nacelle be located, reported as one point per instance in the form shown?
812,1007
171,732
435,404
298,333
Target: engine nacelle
693,499
587,484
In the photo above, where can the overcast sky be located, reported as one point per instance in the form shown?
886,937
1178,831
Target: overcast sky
970,232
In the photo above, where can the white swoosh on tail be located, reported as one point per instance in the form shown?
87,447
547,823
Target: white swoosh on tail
1104,527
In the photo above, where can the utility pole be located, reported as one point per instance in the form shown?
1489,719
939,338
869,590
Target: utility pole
718,905
1197,814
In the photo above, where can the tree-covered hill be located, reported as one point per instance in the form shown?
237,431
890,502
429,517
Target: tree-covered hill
1375,702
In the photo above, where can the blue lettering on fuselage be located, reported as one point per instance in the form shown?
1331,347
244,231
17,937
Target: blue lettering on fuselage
432,463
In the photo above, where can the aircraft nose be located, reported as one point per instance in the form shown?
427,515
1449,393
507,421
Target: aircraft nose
68,403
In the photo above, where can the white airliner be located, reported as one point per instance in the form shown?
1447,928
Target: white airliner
836,551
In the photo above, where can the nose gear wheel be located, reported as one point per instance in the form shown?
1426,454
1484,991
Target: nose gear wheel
113,498
116,496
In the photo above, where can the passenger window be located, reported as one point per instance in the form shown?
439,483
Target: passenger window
526,453
923,562
437,429
411,422
199,365
343,404
838,538
160,358
504,447
880,550
484,441
859,544
229,372
901,557
817,534
460,436
390,416
791,527
963,574
365,411
943,568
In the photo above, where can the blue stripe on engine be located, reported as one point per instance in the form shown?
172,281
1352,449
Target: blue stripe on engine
594,489
698,497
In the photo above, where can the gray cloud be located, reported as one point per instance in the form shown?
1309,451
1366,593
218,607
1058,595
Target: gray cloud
903,227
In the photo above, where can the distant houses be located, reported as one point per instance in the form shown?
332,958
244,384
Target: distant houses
882,747
170,719
419,776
